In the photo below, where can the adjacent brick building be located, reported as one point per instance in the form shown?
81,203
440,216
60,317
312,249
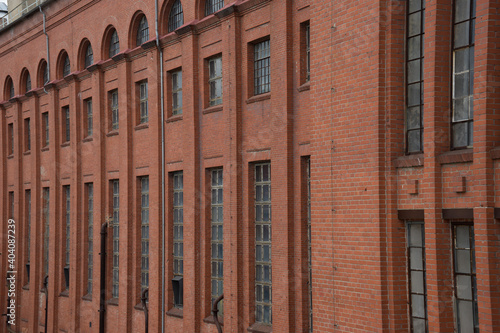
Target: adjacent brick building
376,150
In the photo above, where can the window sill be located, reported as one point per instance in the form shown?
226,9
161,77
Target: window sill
258,98
87,297
260,328
26,287
495,153
141,126
409,161
210,320
88,139
112,301
456,156
65,144
112,133
175,312
64,293
174,118
46,148
212,109
27,152
139,307
306,86
11,156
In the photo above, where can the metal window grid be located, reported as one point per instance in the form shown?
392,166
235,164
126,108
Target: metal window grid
114,44
11,88
176,17
144,233
28,82
464,271
212,6
217,235
309,237
178,218
90,119
215,80
114,109
142,31
89,56
417,276
116,239
66,123
308,52
45,74
11,138
262,74
45,119
27,125
143,97
463,73
90,238
177,93
263,268
46,234
66,66
28,222
67,212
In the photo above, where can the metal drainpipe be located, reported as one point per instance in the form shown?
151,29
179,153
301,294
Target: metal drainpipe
144,299
102,308
215,310
162,111
47,45
46,287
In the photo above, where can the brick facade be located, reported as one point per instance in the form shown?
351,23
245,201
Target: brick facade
347,121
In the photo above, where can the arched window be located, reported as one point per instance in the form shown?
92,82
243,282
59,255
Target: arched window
212,6
42,77
114,45
9,88
142,31
176,17
28,82
45,74
89,56
66,66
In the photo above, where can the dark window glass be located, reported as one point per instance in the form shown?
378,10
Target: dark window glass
143,101
67,193
142,31
114,109
28,82
45,74
45,121
262,74
212,6
66,67
46,233
66,124
144,233
27,134
217,241
178,218
308,52
176,17
28,224
10,133
116,238
90,119
215,80
10,88
89,56
90,229
114,44
177,93
309,236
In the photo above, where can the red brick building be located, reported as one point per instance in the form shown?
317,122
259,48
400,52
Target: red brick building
376,149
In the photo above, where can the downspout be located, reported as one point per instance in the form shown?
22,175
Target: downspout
47,45
162,109
102,308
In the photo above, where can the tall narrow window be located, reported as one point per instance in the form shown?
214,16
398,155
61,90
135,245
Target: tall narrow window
143,101
11,205
45,122
90,239
463,73
178,231
212,6
177,92
217,236
67,213
66,66
414,75
263,278
308,51
113,101
116,238
176,17
309,237
416,271
46,232
27,195
144,233
89,56
465,278
10,132
45,74
215,80
10,88
142,31
66,125
28,82
90,118
262,61
114,44
27,134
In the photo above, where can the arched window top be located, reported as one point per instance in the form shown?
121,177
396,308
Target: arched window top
66,66
89,56
9,88
212,6
142,31
176,17
114,44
